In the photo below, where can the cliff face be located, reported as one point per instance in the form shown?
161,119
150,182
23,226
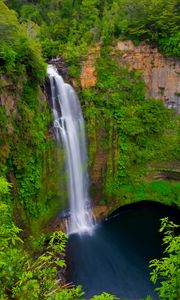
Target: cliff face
88,72
161,75
162,80
28,157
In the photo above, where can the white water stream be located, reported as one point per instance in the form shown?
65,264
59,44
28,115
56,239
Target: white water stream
70,129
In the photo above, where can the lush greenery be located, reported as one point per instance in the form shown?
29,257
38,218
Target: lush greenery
24,116
41,276
166,271
37,275
137,131
67,27
130,132
22,276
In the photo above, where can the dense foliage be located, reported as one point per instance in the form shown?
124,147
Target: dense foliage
67,27
24,116
41,276
21,275
166,271
20,52
137,131
37,276
131,133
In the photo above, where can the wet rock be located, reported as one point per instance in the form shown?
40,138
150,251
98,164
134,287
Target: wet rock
61,66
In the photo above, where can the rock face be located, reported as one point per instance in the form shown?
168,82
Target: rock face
61,66
161,75
88,72
162,79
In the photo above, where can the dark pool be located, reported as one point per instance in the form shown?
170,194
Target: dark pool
115,258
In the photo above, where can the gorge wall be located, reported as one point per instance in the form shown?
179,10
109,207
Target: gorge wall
162,81
28,157
161,74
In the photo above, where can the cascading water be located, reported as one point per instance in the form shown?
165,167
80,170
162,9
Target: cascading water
69,127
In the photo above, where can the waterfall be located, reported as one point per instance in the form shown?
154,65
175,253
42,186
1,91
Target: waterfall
70,129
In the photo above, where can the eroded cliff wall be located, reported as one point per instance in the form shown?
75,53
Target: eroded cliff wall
161,74
108,149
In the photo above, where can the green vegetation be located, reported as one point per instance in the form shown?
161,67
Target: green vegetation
68,27
138,131
104,296
136,136
166,271
20,52
24,116
167,192
131,133
37,276
23,276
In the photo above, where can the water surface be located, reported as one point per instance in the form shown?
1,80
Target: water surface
115,258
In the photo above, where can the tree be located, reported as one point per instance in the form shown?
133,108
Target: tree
166,271
8,23
104,296
4,186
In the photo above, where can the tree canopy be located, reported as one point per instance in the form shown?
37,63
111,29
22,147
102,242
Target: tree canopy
69,24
